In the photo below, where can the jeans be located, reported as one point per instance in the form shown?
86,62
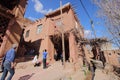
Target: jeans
7,68
44,63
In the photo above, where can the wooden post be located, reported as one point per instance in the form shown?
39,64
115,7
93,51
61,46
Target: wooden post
63,46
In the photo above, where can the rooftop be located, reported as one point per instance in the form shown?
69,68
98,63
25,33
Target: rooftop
66,6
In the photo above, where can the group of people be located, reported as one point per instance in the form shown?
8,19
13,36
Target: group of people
36,61
9,62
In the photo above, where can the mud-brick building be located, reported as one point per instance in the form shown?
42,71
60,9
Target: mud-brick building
11,23
112,57
46,33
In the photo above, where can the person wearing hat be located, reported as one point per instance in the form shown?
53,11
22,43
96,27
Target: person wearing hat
9,63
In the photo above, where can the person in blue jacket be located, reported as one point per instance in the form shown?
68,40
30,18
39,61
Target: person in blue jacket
44,58
9,63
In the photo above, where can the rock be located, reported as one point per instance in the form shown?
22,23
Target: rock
105,74
98,64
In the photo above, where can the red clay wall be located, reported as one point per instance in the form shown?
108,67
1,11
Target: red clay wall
50,28
14,30
112,56
12,36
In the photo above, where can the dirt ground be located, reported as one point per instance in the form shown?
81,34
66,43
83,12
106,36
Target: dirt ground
54,71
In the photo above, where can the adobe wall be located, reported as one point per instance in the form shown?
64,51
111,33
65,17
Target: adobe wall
12,36
72,48
112,56
50,28
14,29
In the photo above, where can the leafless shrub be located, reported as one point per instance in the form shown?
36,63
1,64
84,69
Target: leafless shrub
109,11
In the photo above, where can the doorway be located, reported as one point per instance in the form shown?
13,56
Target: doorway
57,42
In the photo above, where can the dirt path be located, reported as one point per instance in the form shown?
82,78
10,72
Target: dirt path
55,71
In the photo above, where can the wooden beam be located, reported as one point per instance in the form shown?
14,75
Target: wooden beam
6,12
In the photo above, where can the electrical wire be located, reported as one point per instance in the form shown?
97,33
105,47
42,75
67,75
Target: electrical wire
85,9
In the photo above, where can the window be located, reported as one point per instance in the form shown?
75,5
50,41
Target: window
118,54
39,28
58,22
27,33
109,53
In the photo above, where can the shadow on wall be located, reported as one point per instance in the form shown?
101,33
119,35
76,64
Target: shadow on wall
26,77
10,4
24,59
57,42
32,48
17,30
14,30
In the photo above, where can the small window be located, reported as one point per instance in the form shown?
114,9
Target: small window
58,22
109,53
118,54
27,33
114,52
39,28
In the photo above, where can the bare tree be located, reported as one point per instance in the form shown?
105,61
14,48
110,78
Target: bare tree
109,11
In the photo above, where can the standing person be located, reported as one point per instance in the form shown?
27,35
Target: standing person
44,58
9,63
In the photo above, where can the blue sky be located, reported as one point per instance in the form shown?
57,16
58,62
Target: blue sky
37,8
